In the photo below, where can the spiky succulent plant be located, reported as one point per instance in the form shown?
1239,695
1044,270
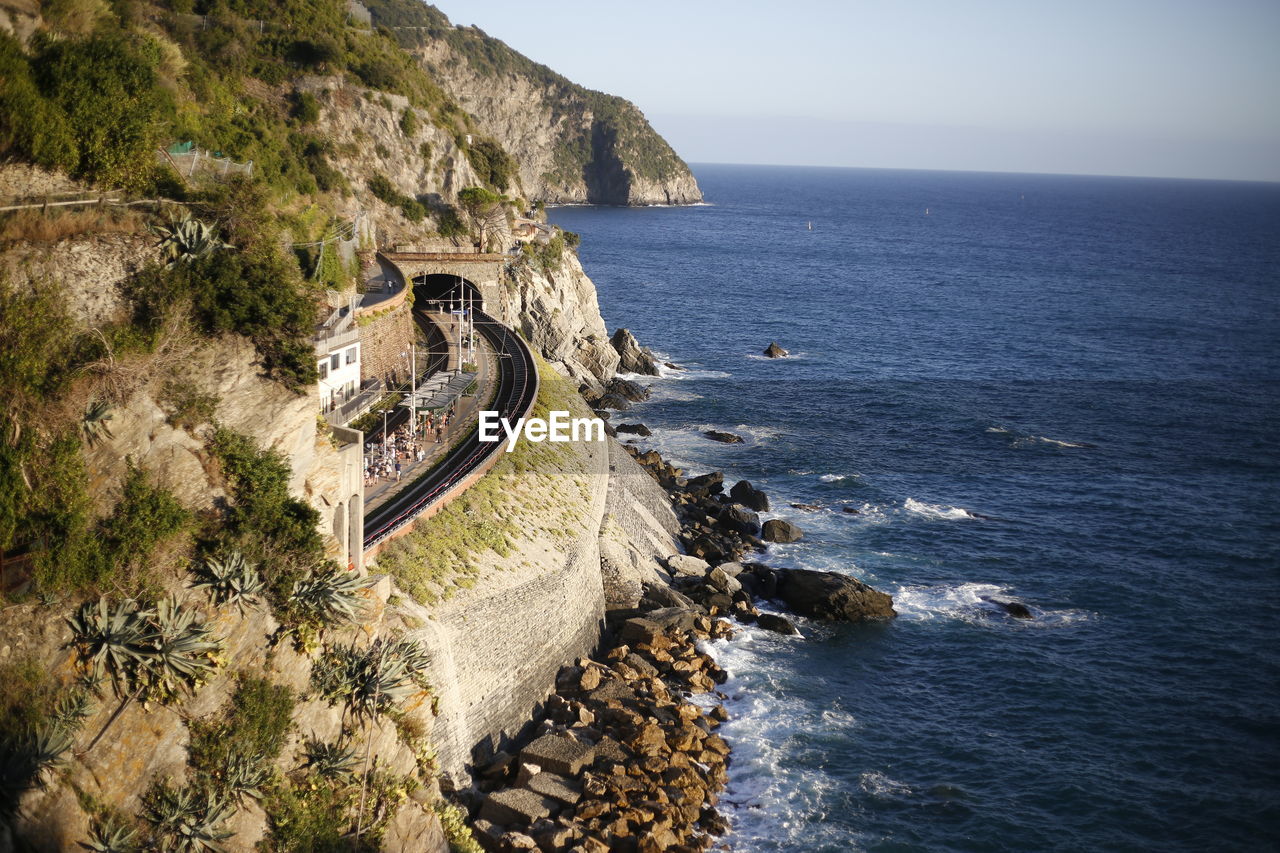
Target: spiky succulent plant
373,679
184,240
244,776
183,649
160,650
73,709
111,836
329,595
186,820
230,579
330,760
111,640
94,424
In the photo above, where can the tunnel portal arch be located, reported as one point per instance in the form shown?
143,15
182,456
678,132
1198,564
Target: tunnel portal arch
446,292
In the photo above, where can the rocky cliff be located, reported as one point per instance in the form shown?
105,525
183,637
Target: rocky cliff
572,144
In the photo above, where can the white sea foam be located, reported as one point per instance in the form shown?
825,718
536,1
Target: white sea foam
880,785
972,602
768,793
950,513
837,478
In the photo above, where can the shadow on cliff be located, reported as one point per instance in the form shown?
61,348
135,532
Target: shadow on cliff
604,174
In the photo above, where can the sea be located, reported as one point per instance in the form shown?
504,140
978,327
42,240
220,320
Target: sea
1056,390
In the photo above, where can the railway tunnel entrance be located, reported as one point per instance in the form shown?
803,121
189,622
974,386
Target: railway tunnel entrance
445,293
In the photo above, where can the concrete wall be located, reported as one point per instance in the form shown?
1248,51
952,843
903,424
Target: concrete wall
496,648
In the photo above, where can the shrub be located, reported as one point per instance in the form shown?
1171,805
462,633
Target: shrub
492,163
263,510
409,122
108,90
233,754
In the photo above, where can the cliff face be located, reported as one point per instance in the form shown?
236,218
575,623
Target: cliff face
573,145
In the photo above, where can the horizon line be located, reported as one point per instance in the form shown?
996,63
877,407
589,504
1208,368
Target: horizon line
691,163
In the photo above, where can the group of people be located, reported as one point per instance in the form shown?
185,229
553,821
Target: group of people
401,447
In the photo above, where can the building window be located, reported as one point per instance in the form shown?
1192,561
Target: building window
335,360
324,369
351,356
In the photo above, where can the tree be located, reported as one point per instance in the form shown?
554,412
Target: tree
484,209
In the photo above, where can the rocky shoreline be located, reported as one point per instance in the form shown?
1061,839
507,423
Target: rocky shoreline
625,758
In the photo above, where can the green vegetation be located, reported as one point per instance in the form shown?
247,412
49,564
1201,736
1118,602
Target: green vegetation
492,163
381,187
265,522
485,210
548,256
409,122
187,408
155,652
232,755
454,822
372,680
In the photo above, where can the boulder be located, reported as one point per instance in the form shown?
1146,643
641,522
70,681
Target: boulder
632,358
774,622
732,569
749,496
722,437
635,429
557,753
739,519
706,484
613,401
1016,609
683,564
555,787
657,596
707,548
775,351
723,581
831,596
778,530
628,389
516,806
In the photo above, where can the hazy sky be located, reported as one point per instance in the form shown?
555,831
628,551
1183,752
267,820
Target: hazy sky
1134,87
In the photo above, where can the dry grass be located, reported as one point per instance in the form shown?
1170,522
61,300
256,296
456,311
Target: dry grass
535,497
38,226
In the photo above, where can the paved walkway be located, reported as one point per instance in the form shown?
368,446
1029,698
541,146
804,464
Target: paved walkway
465,414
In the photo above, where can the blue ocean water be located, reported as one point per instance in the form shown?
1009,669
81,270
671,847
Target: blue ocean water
1061,390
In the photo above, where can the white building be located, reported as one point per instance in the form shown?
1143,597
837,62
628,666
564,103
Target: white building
337,347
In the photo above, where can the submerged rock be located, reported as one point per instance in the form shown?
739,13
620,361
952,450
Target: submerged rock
722,437
1016,609
775,351
635,429
831,596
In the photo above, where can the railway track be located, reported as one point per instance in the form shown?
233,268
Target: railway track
517,389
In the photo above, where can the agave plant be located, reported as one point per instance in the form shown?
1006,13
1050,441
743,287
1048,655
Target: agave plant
109,836
111,640
73,709
370,680
329,595
244,776
230,579
182,241
94,426
330,760
183,651
186,820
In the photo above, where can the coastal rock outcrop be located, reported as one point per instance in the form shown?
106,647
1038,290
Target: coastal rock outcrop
775,351
722,437
831,596
633,358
